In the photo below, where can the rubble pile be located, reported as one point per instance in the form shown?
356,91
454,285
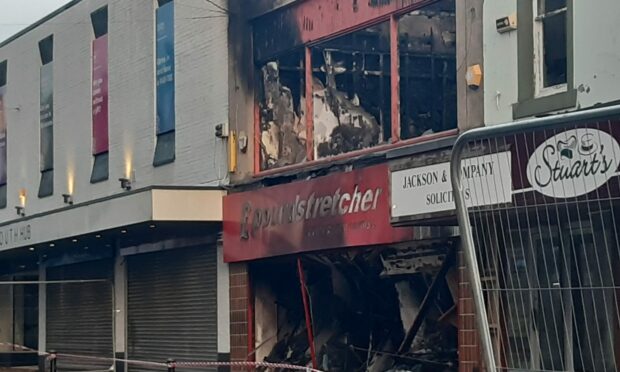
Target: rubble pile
362,308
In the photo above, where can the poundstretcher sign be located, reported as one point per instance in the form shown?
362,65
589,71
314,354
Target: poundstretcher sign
340,210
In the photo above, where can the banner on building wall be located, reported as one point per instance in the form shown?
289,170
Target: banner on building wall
3,162
100,95
47,117
165,68
341,210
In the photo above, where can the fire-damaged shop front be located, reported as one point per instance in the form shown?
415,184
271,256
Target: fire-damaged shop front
331,78
333,284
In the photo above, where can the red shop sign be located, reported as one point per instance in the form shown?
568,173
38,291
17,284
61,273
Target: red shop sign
340,210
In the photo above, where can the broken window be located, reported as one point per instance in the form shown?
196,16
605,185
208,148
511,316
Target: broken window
362,304
352,96
550,35
281,110
351,91
427,49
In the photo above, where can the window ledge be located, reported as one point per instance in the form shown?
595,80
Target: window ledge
542,105
381,149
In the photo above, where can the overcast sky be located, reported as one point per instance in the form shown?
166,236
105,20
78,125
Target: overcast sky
16,15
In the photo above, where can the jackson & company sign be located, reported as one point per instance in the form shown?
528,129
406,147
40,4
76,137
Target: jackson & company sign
423,190
340,210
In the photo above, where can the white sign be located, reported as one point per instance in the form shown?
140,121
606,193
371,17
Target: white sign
487,180
573,163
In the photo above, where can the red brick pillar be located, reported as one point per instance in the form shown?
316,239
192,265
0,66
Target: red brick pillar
469,351
240,324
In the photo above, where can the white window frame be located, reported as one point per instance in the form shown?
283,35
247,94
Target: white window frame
539,56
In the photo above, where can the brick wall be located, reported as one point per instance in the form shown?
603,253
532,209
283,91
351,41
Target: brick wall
469,351
239,305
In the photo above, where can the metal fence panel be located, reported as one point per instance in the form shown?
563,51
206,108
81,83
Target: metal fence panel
540,237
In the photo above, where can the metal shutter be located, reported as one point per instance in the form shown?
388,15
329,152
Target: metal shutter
172,305
79,315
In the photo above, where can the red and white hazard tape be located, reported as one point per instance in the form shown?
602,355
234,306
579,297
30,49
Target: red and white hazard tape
244,364
17,347
178,364
184,364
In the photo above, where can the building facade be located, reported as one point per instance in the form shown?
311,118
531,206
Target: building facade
339,226
547,253
111,187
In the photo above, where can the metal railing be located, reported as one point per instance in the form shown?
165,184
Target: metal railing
538,203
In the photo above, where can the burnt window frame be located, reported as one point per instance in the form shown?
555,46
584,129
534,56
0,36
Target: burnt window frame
395,139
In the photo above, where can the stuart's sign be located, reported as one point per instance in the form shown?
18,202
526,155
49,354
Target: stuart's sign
341,210
573,163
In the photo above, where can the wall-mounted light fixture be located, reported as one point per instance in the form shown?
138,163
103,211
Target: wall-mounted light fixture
125,183
67,199
22,197
21,211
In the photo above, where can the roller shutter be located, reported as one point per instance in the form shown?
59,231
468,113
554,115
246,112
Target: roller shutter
79,316
171,305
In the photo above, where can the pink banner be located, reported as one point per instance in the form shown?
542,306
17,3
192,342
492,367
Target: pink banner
3,162
100,95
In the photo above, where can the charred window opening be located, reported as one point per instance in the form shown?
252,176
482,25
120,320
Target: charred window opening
353,98
362,304
427,49
281,104
351,91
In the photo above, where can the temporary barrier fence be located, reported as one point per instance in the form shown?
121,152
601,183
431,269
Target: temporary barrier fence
538,203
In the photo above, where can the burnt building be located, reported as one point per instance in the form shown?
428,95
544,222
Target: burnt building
339,227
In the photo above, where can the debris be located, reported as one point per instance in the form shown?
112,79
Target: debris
341,123
283,133
359,315
427,302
